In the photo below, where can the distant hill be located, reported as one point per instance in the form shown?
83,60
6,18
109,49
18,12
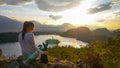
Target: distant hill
44,27
85,34
11,25
102,34
81,33
117,32
93,27
102,31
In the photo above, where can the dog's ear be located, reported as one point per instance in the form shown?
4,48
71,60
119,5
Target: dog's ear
45,44
39,45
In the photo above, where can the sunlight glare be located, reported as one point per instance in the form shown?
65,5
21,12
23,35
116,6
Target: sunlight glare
78,15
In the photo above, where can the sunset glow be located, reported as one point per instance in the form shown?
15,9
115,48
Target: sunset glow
75,12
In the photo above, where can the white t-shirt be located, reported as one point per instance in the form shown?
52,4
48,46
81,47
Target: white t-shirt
28,45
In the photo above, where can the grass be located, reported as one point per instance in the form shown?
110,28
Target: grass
99,55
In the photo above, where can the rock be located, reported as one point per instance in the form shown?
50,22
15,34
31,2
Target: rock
70,64
50,65
38,65
3,64
58,59
0,53
1,56
13,65
62,66
56,63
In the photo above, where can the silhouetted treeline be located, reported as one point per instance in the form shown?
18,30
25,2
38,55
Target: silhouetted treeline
13,36
47,32
8,37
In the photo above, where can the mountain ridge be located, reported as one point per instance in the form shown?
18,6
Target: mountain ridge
87,35
11,25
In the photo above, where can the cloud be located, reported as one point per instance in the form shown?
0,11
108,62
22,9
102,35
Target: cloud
115,1
101,20
117,13
55,17
100,8
56,5
1,2
46,5
14,2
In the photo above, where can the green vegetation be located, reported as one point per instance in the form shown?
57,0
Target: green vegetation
99,55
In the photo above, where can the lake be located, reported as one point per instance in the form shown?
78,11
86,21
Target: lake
14,49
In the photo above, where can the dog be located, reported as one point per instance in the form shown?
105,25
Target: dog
44,56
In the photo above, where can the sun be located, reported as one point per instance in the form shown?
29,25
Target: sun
79,19
78,15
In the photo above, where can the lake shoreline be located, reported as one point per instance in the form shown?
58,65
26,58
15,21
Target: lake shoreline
10,49
11,37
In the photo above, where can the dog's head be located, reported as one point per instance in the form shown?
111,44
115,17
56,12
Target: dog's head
43,46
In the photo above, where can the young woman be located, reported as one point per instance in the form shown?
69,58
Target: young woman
26,39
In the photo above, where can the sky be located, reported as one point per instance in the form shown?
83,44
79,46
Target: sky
98,13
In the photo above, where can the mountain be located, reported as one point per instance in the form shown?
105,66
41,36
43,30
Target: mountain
117,32
83,33
103,31
11,25
102,34
86,35
43,27
80,33
93,27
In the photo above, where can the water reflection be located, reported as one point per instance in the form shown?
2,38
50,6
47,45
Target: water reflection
10,49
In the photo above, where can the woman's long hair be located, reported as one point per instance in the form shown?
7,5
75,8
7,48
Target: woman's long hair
25,26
